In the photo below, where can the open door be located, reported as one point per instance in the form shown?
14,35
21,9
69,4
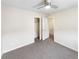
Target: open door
41,28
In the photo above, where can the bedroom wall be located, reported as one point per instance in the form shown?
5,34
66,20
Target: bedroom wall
17,27
66,28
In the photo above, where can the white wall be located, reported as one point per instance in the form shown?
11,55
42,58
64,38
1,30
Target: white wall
17,27
65,29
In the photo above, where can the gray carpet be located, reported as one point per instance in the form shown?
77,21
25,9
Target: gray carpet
42,50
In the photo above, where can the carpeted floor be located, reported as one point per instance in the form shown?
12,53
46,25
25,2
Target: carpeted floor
42,50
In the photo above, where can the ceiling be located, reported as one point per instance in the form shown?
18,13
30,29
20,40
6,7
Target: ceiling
29,4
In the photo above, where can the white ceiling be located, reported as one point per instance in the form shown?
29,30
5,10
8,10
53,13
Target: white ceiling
29,4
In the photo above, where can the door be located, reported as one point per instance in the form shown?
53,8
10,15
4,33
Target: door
45,29
41,28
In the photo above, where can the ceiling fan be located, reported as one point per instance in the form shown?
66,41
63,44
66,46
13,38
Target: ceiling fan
46,4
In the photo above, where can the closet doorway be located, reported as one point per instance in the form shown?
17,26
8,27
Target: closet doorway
37,29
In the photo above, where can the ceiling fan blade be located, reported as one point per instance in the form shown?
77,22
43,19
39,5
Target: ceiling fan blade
54,6
41,6
41,3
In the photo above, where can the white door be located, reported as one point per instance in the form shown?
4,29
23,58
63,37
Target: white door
45,31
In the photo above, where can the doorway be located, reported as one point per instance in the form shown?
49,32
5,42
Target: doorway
51,28
37,28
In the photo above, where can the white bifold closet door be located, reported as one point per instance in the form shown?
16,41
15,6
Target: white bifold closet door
45,31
